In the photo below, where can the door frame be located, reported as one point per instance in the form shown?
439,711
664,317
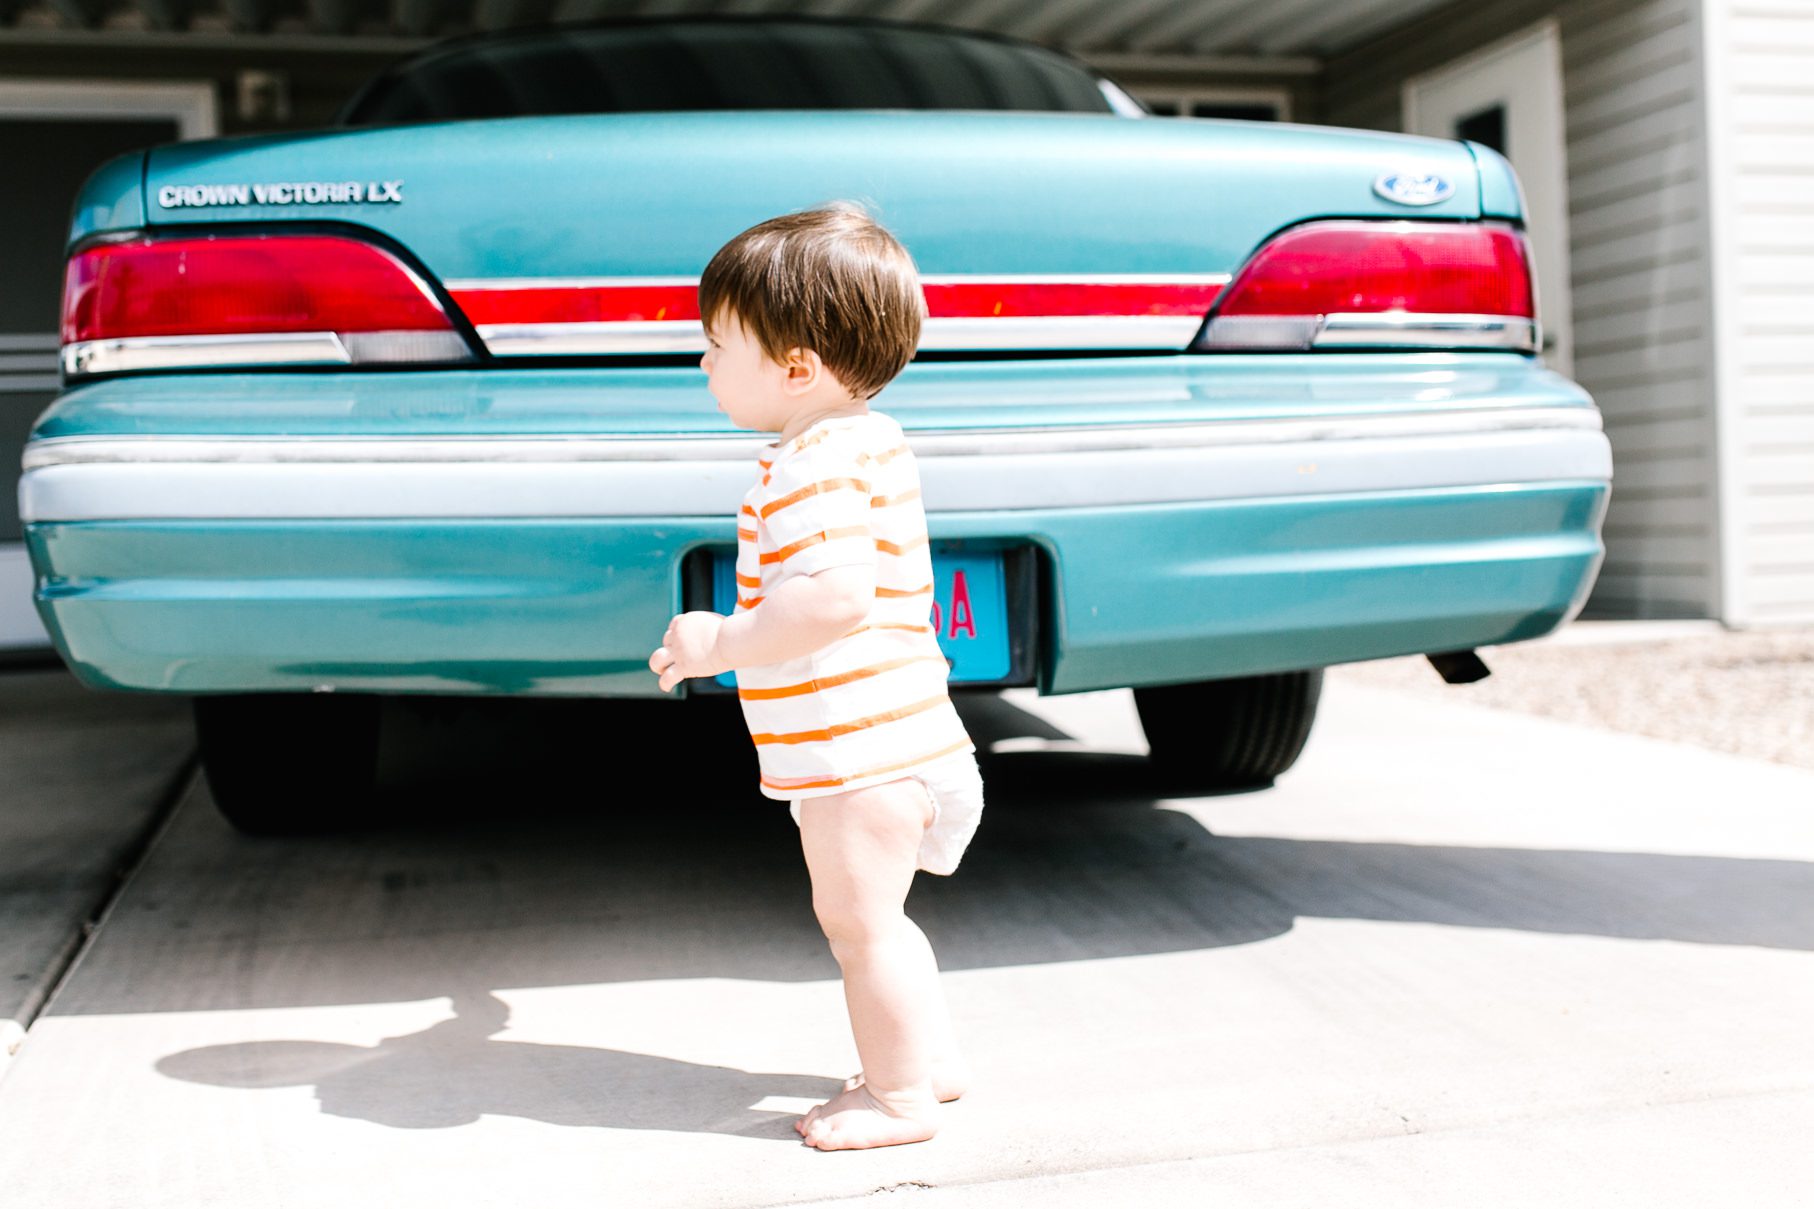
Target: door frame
192,104
1539,46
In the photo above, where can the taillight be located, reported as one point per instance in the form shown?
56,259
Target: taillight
157,303
1357,284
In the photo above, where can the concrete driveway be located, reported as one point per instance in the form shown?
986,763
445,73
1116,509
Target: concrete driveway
85,779
1455,957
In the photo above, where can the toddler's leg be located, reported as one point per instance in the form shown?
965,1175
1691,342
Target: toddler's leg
950,1073
861,848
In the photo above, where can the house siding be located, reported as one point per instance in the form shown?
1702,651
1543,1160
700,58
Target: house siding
1638,262
1760,56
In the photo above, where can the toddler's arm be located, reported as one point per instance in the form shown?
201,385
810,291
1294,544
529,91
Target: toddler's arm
804,613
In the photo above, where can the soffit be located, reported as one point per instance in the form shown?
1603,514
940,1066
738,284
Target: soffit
1111,32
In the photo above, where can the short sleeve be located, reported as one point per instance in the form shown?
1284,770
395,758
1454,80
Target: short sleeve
816,511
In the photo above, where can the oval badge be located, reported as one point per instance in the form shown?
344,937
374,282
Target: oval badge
1413,188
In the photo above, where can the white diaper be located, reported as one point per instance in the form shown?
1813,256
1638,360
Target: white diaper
955,785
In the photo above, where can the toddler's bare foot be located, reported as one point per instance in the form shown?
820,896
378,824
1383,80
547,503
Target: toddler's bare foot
949,1080
855,1120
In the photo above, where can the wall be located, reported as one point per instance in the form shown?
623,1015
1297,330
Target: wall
1640,273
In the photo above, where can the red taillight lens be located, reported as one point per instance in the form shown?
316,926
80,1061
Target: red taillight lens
1401,284
248,299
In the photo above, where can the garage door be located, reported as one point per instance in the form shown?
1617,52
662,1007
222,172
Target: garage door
52,135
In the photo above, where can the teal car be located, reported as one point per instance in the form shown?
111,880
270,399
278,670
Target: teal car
412,405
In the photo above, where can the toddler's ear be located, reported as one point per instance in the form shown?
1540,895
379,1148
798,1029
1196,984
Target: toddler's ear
804,370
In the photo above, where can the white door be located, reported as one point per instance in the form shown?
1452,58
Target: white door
1509,96
53,133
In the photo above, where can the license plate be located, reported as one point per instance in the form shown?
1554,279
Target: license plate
969,610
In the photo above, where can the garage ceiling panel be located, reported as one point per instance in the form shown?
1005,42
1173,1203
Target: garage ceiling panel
1232,28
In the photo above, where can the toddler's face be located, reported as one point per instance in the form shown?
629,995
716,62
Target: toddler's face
747,385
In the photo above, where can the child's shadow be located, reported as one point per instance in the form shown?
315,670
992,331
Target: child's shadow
453,1072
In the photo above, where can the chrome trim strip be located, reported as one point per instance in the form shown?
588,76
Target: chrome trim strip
358,491
713,447
559,339
77,479
172,352
581,283
562,283
1407,329
688,336
1079,278
1370,329
1062,331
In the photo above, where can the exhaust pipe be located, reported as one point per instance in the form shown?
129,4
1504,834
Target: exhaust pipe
1459,667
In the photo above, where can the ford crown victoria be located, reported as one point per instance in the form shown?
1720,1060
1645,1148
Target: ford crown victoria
412,404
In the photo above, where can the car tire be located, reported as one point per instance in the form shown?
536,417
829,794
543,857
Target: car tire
289,763
1229,734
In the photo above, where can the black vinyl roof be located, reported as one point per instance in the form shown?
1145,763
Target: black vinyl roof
729,62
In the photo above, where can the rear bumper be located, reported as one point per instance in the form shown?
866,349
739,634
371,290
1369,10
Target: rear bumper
513,531
1134,595
549,566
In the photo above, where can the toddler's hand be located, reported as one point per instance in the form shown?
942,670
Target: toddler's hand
688,649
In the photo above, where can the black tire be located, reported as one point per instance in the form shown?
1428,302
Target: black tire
1229,734
289,763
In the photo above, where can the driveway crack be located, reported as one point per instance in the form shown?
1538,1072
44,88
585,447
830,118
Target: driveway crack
81,940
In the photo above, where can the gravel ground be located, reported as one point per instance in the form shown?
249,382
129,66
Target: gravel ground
1750,693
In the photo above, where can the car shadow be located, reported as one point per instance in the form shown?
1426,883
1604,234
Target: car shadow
594,847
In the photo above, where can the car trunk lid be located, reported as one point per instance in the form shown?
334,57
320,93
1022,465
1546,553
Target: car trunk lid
584,235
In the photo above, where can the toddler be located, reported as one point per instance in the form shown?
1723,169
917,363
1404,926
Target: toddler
839,672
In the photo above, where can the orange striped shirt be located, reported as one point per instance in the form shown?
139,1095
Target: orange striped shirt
871,706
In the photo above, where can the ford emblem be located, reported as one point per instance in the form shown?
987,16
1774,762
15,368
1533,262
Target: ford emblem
1413,188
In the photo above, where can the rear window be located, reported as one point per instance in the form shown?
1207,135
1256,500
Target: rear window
728,63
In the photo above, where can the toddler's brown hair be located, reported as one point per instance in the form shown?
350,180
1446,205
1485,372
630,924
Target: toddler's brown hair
830,279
